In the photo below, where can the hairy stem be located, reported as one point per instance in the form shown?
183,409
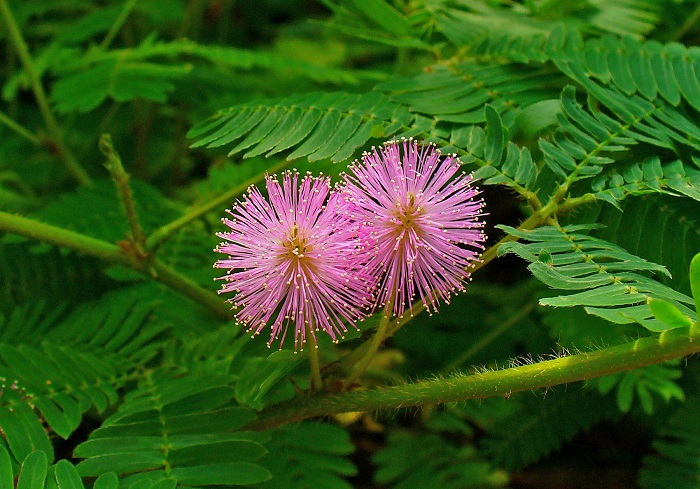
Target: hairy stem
118,23
121,180
112,253
15,36
161,234
582,366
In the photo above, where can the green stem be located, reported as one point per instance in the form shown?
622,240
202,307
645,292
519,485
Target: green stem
379,335
690,21
582,366
312,345
121,180
118,23
167,276
111,253
68,239
20,46
19,129
161,234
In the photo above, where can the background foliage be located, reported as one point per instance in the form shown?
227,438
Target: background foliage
580,119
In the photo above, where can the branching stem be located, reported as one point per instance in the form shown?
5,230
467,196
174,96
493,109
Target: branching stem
121,180
15,36
118,23
111,253
373,346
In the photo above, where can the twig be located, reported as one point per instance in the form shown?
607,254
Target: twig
20,46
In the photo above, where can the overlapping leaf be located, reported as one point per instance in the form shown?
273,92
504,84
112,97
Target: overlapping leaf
609,282
330,125
179,427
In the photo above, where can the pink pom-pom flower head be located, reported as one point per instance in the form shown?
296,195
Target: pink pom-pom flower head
421,222
292,260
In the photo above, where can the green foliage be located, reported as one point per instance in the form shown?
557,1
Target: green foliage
309,455
578,119
658,379
176,427
543,425
35,473
421,459
330,125
677,458
607,275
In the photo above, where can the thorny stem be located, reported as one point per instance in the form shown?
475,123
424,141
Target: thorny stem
547,373
20,46
112,253
312,345
121,180
118,23
161,234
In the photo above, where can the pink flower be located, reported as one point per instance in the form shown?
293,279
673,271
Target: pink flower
422,225
291,260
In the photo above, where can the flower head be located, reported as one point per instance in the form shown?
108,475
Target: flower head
421,222
290,260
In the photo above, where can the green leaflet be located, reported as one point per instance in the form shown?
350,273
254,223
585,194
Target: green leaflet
425,459
126,74
610,282
329,125
659,228
309,454
641,384
648,177
186,422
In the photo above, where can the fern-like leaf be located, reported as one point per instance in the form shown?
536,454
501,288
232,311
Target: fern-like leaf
459,93
55,385
641,383
427,460
178,427
544,425
35,473
309,455
331,125
677,460
610,280
125,74
657,228
650,69
648,177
